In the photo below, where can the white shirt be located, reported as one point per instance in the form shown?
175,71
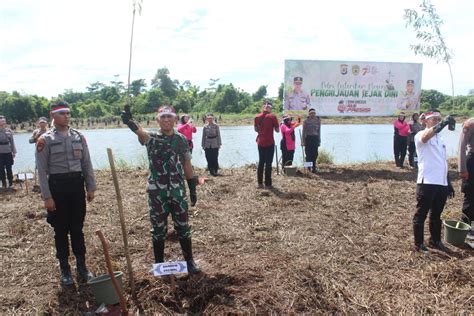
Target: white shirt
432,162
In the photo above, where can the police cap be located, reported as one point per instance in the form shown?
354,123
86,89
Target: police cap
298,80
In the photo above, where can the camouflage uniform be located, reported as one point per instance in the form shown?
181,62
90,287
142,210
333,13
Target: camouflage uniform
166,186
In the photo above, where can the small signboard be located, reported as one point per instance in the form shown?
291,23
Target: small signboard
308,164
25,176
167,268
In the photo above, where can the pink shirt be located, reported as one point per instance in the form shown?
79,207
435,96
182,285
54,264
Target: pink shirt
286,132
402,127
187,130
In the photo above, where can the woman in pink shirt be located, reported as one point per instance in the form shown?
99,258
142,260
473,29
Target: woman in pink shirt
187,128
287,144
400,137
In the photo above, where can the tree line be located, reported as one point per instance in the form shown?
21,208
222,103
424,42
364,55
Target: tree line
102,100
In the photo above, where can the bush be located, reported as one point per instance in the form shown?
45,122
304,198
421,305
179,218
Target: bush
325,157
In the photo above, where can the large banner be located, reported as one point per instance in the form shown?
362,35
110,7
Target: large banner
352,88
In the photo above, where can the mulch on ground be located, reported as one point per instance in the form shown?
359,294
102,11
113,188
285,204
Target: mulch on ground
339,241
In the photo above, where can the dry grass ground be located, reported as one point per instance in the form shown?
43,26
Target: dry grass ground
338,242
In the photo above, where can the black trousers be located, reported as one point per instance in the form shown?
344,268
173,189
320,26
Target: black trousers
68,218
6,163
468,189
212,157
411,154
399,149
311,146
265,160
430,198
287,157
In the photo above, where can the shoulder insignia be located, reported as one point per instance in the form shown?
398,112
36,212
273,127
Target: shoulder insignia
40,144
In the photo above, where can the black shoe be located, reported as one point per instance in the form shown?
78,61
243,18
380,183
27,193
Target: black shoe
192,190
66,276
186,247
438,245
421,248
159,250
83,274
192,267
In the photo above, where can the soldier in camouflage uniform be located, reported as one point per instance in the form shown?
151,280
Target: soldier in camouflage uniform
170,164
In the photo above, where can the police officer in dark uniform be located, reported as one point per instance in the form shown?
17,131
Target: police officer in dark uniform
64,166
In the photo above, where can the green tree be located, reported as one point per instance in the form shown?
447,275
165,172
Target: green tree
427,26
137,86
433,97
163,81
281,90
260,93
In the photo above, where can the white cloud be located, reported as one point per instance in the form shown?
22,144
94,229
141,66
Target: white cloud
53,45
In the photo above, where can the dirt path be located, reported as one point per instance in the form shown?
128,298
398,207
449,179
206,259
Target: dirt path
339,241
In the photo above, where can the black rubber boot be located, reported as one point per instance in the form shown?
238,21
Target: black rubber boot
83,274
4,184
66,277
159,250
418,233
435,239
192,190
187,248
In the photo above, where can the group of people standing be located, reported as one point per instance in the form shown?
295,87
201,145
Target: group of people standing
266,123
404,138
67,181
433,183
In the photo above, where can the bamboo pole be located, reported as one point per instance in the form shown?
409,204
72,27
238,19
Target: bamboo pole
123,306
122,222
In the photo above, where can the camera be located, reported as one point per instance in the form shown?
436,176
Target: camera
451,123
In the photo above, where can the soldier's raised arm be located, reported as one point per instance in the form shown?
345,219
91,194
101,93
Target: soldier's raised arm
127,119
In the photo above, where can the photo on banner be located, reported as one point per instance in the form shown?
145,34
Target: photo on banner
351,88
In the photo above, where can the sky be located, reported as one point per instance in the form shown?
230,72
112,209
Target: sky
49,46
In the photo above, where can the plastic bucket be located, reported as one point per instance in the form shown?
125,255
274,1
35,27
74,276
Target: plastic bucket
103,288
290,171
455,232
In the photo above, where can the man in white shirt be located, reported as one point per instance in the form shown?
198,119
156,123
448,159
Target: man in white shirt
433,186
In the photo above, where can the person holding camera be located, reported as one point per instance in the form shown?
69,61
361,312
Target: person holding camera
433,185
466,168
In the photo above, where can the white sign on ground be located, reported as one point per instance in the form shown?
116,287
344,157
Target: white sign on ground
352,88
24,176
167,268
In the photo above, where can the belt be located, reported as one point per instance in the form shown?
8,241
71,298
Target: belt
211,137
64,176
4,143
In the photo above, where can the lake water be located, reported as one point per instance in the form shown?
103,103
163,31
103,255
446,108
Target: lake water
347,144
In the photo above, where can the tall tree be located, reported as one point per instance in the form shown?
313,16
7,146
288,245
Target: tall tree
163,81
427,26
137,86
260,93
